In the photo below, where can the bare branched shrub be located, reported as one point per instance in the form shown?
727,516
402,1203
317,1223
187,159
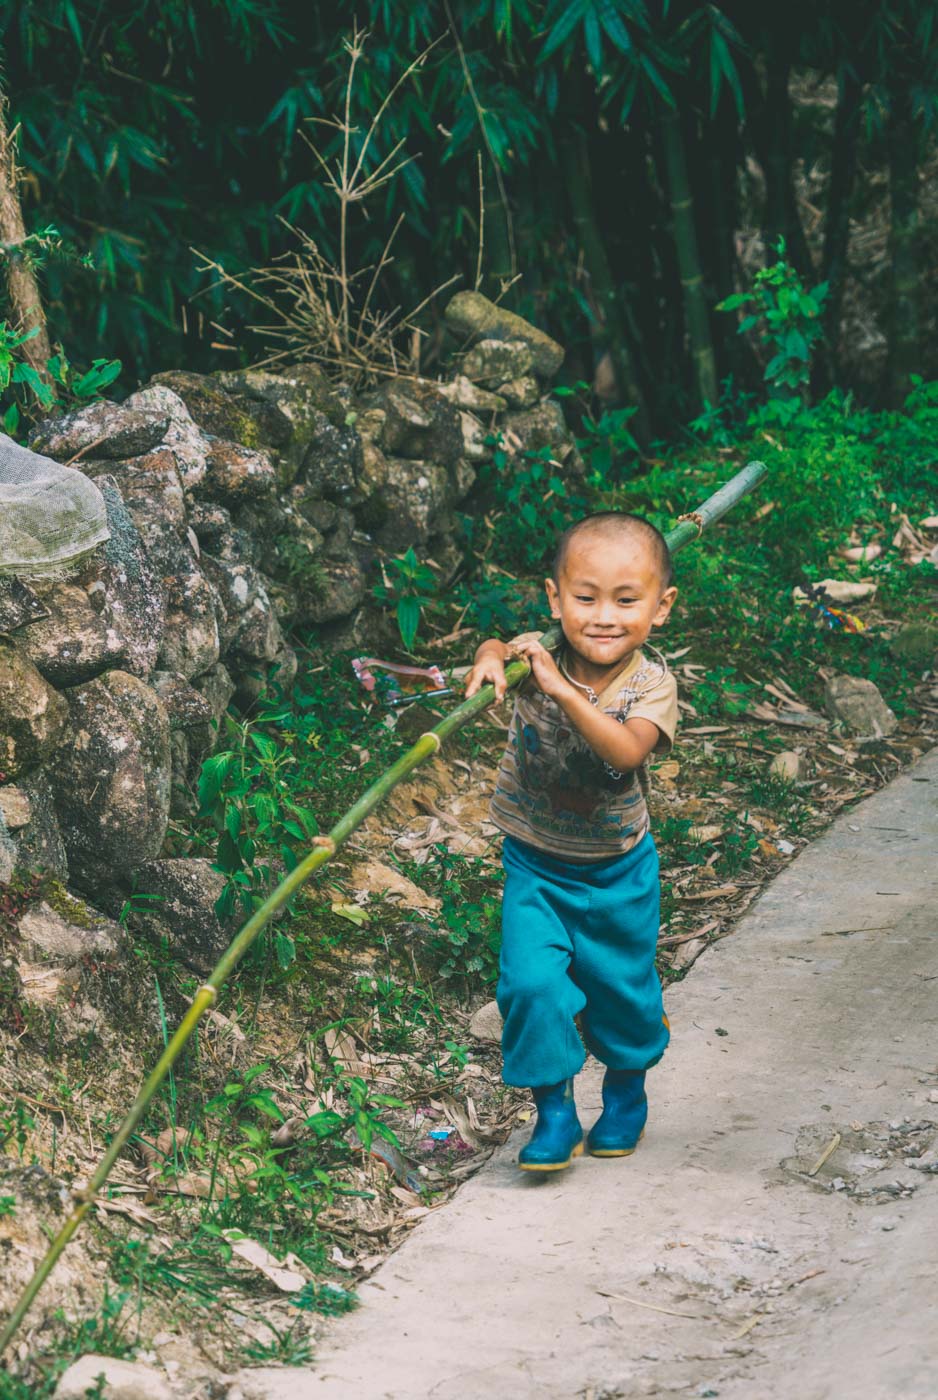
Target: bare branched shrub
311,309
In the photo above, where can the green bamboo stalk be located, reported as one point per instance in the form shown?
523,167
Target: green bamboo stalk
324,847
696,310
574,156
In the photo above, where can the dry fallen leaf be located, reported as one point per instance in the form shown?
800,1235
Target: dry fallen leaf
284,1275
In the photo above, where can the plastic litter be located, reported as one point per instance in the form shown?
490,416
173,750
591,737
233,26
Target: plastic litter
395,684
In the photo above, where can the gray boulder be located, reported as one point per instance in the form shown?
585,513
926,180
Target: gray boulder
100,430
238,586
191,640
187,709
183,437
299,395
38,840
75,642
110,614
47,933
150,487
258,636
418,497
419,421
544,425
32,714
464,394
251,421
498,362
342,588
858,705
183,909
113,777
235,474
217,688
123,1380
469,314
332,462
522,392
127,587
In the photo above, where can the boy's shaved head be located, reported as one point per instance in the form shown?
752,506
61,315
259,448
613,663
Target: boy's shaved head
616,525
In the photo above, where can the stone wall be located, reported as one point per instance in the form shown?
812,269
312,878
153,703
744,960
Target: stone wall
241,505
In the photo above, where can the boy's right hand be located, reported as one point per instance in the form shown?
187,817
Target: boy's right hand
489,669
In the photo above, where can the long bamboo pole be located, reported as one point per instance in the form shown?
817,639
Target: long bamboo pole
324,847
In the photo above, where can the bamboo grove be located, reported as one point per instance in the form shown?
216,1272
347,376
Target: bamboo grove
602,159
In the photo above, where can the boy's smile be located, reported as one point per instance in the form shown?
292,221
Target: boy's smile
607,598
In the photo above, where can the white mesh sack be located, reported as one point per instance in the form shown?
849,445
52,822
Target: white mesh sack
50,516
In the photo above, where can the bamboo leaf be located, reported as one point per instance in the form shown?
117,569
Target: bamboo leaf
592,37
611,21
564,27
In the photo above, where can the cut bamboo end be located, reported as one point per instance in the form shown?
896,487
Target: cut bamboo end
324,843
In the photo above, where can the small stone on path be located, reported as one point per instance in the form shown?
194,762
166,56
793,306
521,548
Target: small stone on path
787,765
124,1380
486,1023
857,703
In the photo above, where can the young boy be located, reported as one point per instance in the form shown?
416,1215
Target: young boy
581,905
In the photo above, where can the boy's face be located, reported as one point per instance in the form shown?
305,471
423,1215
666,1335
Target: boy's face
608,597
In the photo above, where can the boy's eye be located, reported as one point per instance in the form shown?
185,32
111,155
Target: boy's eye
583,598
626,600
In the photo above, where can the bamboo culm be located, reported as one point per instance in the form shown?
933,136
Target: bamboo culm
688,528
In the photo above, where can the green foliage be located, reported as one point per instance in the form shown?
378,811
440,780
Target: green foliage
329,1299
721,692
787,318
16,1123
23,388
247,794
533,506
466,944
606,442
409,586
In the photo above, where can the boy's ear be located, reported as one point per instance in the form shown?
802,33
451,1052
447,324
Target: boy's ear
553,597
665,604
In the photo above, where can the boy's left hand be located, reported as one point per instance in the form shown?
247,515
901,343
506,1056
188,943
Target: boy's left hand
544,669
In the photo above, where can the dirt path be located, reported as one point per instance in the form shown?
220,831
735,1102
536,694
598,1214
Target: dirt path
712,1263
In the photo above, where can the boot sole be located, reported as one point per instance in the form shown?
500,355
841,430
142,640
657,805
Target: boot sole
615,1151
552,1166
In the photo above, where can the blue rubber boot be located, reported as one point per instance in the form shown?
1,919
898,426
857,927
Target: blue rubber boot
625,1108
557,1136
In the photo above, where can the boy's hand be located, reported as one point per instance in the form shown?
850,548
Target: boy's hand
489,669
544,669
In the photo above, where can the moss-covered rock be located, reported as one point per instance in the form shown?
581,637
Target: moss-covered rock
469,314
252,422
113,777
32,714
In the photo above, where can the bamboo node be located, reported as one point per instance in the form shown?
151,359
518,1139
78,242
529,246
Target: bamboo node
212,992
697,518
84,1195
437,741
325,843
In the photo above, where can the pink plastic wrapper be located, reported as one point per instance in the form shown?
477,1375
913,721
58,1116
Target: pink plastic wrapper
391,681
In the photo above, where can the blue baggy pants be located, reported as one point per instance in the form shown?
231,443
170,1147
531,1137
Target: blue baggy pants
579,938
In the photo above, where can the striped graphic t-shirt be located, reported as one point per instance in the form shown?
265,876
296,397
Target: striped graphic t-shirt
553,792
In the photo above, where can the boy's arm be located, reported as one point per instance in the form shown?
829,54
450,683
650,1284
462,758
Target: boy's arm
622,746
